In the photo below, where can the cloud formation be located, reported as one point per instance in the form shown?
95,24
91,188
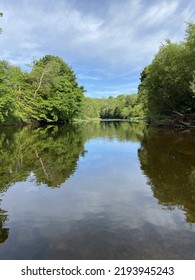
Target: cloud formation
107,42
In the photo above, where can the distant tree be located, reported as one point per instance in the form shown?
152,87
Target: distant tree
91,108
124,106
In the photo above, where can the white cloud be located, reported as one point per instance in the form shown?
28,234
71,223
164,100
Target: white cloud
159,13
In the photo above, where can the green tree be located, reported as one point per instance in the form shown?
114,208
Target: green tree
167,84
52,93
91,108
124,106
10,86
192,85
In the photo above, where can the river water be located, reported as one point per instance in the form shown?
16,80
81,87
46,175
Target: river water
105,190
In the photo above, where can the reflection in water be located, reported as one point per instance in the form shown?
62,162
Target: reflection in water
124,131
49,153
3,231
168,160
99,204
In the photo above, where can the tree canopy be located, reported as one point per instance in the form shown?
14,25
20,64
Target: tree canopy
168,84
49,93
125,106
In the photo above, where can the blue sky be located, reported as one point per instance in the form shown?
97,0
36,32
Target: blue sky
106,42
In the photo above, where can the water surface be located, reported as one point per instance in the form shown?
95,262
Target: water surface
97,191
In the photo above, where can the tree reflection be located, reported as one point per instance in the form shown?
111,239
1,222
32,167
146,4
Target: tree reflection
4,232
168,160
49,153
121,130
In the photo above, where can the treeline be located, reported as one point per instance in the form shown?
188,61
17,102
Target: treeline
121,107
49,93
167,88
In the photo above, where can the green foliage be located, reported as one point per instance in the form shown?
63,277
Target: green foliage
192,85
121,107
49,93
9,87
55,95
91,108
167,84
190,36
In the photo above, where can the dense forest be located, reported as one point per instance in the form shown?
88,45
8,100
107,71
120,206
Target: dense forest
50,91
120,107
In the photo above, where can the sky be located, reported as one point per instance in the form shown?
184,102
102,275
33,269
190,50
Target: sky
106,42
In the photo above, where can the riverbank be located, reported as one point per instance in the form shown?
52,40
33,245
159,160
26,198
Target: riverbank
175,121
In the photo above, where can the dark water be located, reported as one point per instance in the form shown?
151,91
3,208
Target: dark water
97,191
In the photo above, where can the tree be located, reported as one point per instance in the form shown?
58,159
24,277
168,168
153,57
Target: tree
166,86
190,36
91,108
10,78
192,85
52,93
49,93
124,106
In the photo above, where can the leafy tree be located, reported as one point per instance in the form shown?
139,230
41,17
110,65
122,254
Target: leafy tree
52,93
167,84
49,93
121,107
190,36
192,85
9,88
91,108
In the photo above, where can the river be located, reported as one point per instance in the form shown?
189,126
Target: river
106,190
